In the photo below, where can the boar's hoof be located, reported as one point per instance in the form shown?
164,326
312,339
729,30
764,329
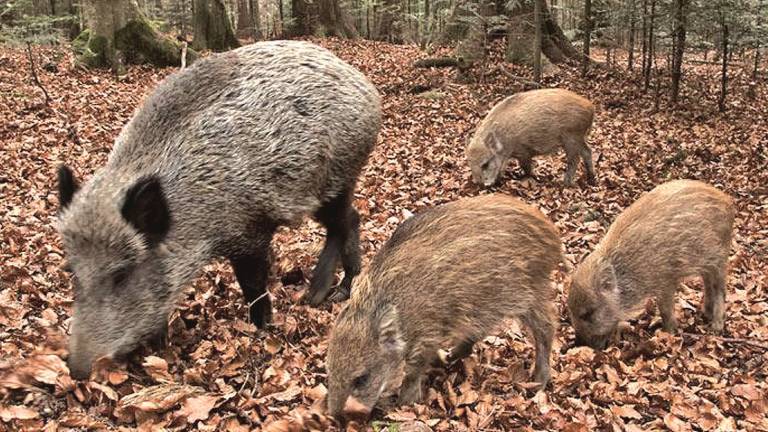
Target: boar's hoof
261,314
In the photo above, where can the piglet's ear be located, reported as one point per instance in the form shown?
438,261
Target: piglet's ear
67,186
607,278
146,209
390,338
493,143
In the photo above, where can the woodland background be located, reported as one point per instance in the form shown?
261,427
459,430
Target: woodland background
680,89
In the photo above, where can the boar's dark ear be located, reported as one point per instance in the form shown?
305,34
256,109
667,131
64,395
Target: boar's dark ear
146,209
390,339
67,186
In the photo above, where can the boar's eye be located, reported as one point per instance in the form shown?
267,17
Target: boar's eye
119,277
361,380
485,165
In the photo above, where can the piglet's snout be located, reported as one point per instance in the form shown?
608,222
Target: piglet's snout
356,410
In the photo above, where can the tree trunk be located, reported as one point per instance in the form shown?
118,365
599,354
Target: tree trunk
631,55
679,47
213,28
255,19
117,31
755,70
651,46
587,34
644,47
389,28
243,18
724,73
321,18
521,34
537,42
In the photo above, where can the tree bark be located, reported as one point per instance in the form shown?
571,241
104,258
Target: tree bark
321,18
118,32
679,47
213,28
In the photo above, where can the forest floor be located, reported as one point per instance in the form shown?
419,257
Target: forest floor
220,373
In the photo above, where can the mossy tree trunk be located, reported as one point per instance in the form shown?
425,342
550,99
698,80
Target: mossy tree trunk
117,32
213,28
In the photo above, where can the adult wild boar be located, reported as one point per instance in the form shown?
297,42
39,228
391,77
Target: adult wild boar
449,275
218,157
681,228
528,124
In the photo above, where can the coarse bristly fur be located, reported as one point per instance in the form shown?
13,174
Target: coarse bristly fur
681,228
529,124
449,275
217,157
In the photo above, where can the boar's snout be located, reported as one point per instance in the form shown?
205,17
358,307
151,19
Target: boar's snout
79,365
353,410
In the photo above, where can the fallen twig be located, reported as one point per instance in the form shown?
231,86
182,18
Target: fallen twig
728,340
34,74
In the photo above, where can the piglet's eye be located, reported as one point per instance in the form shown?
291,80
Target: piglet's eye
485,165
361,380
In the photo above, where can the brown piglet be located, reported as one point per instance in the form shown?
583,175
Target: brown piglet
528,124
681,228
447,278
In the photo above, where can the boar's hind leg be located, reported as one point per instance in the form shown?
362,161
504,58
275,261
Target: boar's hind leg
714,299
570,170
341,222
541,324
350,256
252,272
586,158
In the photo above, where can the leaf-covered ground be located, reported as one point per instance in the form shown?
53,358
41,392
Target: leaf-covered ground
219,373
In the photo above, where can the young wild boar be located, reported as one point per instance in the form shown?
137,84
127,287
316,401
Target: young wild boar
218,157
679,229
529,124
447,275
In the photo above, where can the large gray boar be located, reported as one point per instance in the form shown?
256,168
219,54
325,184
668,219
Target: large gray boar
448,276
529,124
679,229
217,158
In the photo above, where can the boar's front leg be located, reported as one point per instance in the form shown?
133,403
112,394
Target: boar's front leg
666,304
342,241
586,159
252,271
410,389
